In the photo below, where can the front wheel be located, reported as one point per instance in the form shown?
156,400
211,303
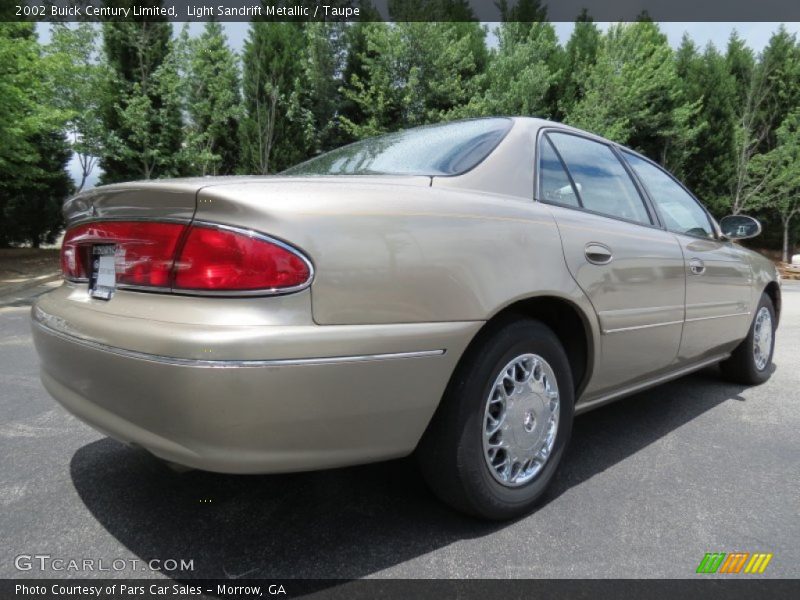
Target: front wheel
497,438
751,362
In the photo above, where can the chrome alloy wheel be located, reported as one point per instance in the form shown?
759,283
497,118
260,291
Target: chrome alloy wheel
521,420
762,338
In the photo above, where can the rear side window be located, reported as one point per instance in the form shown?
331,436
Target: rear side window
602,183
678,209
554,182
448,149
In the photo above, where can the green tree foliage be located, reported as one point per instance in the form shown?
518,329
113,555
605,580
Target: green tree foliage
780,65
316,98
270,72
213,103
778,177
29,152
522,74
142,115
400,82
354,70
35,209
26,96
708,167
430,10
78,74
149,105
633,95
580,56
521,10
740,62
770,95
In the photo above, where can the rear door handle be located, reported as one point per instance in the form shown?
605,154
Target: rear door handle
697,266
598,254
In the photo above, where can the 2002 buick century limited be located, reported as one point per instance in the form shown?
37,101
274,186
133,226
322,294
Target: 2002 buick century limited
459,291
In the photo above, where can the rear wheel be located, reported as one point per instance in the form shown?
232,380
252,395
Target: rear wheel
504,422
751,362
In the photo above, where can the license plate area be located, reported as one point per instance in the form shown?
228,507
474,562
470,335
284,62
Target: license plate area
103,280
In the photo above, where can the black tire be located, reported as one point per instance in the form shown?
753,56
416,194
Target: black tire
450,453
741,367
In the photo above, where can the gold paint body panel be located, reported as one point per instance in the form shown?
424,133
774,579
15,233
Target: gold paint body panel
407,271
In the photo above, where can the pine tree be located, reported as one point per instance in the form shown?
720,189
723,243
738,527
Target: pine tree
780,64
317,99
28,120
708,167
354,71
522,76
580,56
769,96
528,11
142,115
400,82
35,209
78,74
213,103
633,95
779,178
741,63
270,72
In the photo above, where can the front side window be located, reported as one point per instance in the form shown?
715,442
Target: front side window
678,209
602,182
448,149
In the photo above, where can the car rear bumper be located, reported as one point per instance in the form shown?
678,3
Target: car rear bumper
312,408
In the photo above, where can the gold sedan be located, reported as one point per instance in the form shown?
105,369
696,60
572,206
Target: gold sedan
460,291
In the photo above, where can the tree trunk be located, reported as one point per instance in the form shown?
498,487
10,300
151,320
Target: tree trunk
786,257
83,183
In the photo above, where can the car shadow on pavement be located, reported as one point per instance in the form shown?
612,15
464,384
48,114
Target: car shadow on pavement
343,523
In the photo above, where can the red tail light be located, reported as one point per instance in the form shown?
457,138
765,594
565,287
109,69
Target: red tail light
201,258
220,259
144,250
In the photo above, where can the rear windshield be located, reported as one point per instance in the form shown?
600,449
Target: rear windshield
448,149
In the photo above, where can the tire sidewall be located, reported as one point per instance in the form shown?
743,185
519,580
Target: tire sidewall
510,342
763,374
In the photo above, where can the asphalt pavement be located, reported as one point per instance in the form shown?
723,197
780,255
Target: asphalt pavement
649,485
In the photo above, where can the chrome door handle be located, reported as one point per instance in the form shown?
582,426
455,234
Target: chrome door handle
697,266
598,254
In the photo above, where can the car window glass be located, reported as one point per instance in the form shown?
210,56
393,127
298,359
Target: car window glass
446,149
604,185
553,179
681,213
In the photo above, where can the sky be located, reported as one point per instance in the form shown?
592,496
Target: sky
756,35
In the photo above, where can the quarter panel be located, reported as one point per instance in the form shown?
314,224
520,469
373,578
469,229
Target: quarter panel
402,254
764,272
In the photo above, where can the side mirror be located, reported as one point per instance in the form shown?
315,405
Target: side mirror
739,227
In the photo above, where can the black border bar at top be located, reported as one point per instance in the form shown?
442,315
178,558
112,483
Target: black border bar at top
401,10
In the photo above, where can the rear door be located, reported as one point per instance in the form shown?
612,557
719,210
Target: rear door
629,267
718,278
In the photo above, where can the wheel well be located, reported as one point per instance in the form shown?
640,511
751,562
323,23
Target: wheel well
773,290
566,321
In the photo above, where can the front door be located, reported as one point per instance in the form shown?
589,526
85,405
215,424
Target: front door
718,297
718,278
